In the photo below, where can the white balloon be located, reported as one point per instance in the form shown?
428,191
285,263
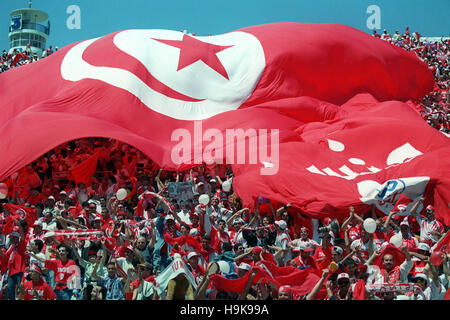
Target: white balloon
397,240
203,199
224,266
121,194
370,225
226,186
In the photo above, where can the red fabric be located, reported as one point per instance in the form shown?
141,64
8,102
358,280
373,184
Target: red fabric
85,170
359,292
233,285
447,295
301,281
302,89
16,258
398,255
444,243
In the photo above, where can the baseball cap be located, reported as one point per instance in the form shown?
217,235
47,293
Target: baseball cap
63,192
430,207
35,267
194,232
51,198
14,234
146,264
193,254
281,223
338,250
404,223
244,266
420,276
238,220
213,180
343,275
38,223
423,246
92,253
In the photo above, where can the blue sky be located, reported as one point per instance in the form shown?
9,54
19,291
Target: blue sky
100,17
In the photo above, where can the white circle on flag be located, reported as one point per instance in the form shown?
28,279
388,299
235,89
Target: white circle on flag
243,61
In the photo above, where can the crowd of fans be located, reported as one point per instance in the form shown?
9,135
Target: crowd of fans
18,58
434,107
132,231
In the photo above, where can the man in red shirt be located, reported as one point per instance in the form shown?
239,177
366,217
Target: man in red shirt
304,259
66,271
36,288
16,259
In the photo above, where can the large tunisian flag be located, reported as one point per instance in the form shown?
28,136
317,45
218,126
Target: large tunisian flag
333,96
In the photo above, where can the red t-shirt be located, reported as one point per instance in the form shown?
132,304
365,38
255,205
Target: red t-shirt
63,271
42,288
322,253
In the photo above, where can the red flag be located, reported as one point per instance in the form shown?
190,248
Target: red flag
233,285
85,170
292,77
444,243
22,213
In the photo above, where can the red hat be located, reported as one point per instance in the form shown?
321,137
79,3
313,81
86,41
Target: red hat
327,221
257,250
430,207
35,267
92,252
285,289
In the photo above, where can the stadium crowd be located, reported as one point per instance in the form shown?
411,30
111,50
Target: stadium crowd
124,229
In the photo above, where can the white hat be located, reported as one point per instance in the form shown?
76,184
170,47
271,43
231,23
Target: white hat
343,275
193,254
213,180
244,266
38,223
238,220
338,249
194,232
404,223
421,276
51,198
282,224
423,246
63,192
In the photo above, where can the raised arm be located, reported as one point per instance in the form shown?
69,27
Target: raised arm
312,295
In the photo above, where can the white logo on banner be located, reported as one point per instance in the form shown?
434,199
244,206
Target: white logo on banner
402,154
385,195
243,61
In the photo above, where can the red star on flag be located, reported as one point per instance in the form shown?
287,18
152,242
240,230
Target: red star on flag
192,50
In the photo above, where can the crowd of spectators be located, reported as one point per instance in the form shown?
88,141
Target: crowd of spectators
185,235
19,58
66,240
434,107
